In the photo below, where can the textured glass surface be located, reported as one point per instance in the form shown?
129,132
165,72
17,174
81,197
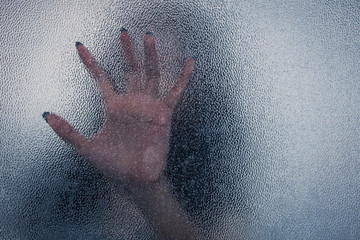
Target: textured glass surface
265,140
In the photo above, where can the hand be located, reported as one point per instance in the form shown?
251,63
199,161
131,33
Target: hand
133,142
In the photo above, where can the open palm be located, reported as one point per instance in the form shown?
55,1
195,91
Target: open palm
133,142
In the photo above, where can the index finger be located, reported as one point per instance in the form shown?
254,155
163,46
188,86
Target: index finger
96,71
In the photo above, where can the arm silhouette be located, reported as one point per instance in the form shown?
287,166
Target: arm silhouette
132,144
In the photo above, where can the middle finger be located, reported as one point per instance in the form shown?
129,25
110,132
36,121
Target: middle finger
151,65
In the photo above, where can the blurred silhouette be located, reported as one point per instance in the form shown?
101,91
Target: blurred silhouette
132,144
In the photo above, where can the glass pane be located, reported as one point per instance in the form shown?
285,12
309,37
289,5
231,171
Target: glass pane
264,140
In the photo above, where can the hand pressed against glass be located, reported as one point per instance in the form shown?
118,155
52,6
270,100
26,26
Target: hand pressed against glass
133,142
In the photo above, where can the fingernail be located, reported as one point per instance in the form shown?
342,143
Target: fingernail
123,29
44,115
78,43
148,32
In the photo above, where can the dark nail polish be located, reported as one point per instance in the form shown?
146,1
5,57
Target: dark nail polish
148,32
78,43
123,29
44,115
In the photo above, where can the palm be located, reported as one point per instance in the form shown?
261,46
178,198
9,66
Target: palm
132,144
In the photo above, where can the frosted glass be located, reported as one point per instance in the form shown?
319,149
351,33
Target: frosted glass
264,142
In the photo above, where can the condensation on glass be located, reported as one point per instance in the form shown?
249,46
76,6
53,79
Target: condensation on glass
265,143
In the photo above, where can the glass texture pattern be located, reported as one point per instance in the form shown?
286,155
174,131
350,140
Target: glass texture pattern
265,141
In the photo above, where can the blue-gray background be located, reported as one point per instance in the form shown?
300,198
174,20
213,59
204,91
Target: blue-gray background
265,142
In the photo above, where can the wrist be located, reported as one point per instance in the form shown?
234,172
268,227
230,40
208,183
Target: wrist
146,189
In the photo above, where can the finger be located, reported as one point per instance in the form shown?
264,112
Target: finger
65,131
173,96
151,65
96,71
128,49
129,52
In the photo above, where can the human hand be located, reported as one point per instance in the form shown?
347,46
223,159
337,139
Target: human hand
133,142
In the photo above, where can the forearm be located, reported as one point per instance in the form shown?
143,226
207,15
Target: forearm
164,212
